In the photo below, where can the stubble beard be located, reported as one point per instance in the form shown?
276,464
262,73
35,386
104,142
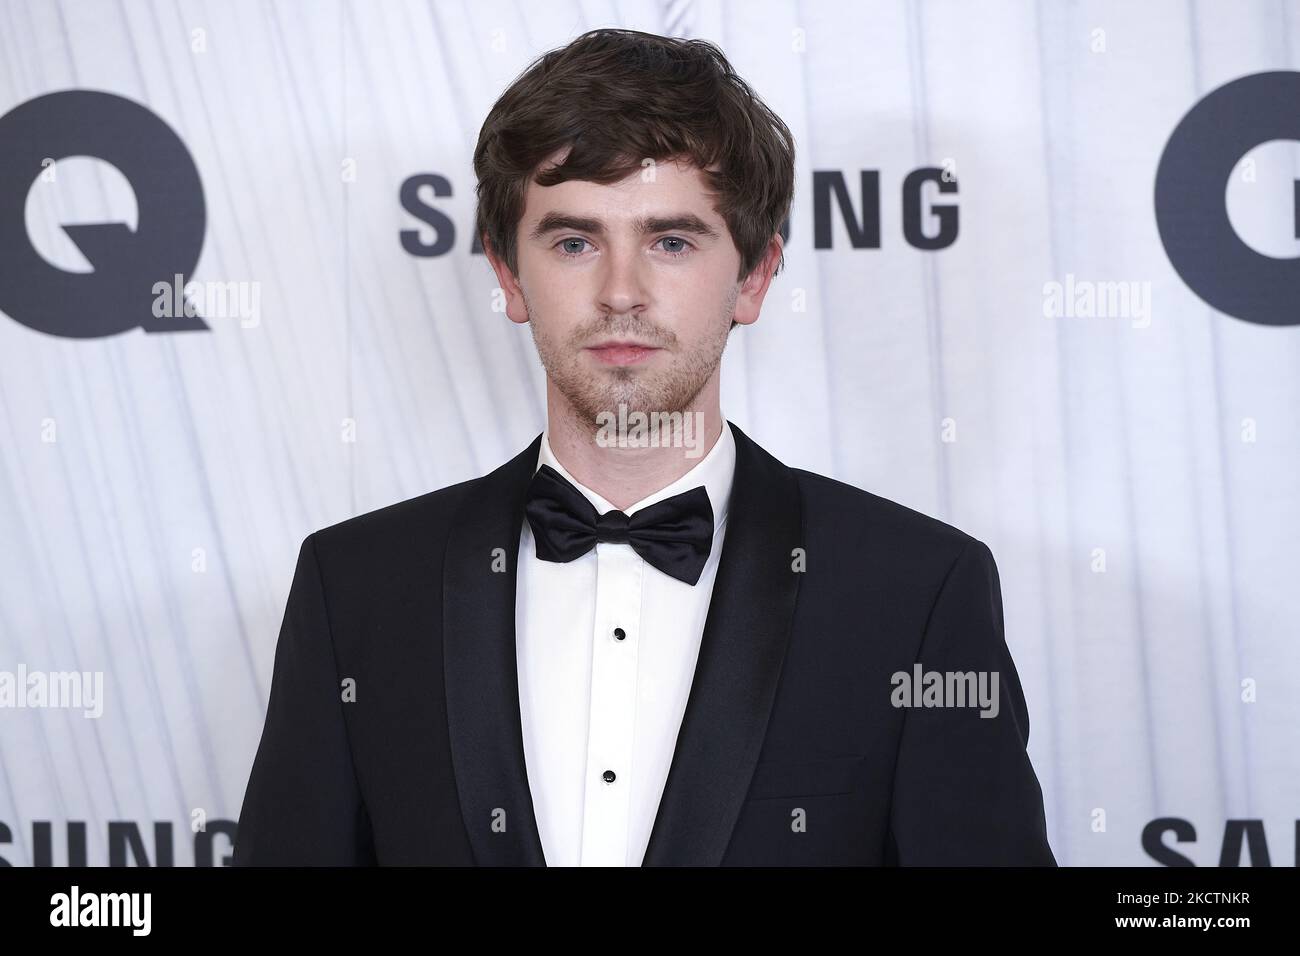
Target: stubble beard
672,388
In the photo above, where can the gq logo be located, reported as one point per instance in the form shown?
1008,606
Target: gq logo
118,294
1191,203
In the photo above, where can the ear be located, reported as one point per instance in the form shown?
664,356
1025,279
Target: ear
754,288
516,311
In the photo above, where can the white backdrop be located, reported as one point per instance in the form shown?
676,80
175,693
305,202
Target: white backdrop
155,486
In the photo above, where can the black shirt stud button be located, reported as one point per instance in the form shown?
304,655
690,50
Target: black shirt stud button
619,634
609,776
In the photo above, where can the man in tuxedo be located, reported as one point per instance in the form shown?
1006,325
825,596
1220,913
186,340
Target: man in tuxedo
643,640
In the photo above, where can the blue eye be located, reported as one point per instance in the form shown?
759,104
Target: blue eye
681,247
566,246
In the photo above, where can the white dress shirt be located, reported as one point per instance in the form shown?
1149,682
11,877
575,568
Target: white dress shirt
592,703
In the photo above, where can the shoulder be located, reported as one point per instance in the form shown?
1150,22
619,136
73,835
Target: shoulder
855,521
862,532
415,528
410,537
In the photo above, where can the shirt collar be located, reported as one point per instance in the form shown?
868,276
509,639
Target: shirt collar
715,471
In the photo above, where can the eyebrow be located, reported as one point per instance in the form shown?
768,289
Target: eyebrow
680,222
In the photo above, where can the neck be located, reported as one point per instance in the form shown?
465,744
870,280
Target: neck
625,475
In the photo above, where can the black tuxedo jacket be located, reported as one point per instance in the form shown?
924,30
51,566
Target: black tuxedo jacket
791,750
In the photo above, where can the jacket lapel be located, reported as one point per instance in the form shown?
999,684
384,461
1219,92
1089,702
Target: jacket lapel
479,664
741,653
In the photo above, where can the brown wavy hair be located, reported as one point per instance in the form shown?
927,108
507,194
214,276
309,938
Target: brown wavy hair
618,97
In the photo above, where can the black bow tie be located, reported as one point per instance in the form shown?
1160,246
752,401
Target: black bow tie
674,535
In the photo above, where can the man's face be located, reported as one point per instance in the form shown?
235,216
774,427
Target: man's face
630,288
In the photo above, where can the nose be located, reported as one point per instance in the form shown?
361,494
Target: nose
622,283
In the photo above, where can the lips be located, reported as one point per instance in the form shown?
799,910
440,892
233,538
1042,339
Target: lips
621,353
